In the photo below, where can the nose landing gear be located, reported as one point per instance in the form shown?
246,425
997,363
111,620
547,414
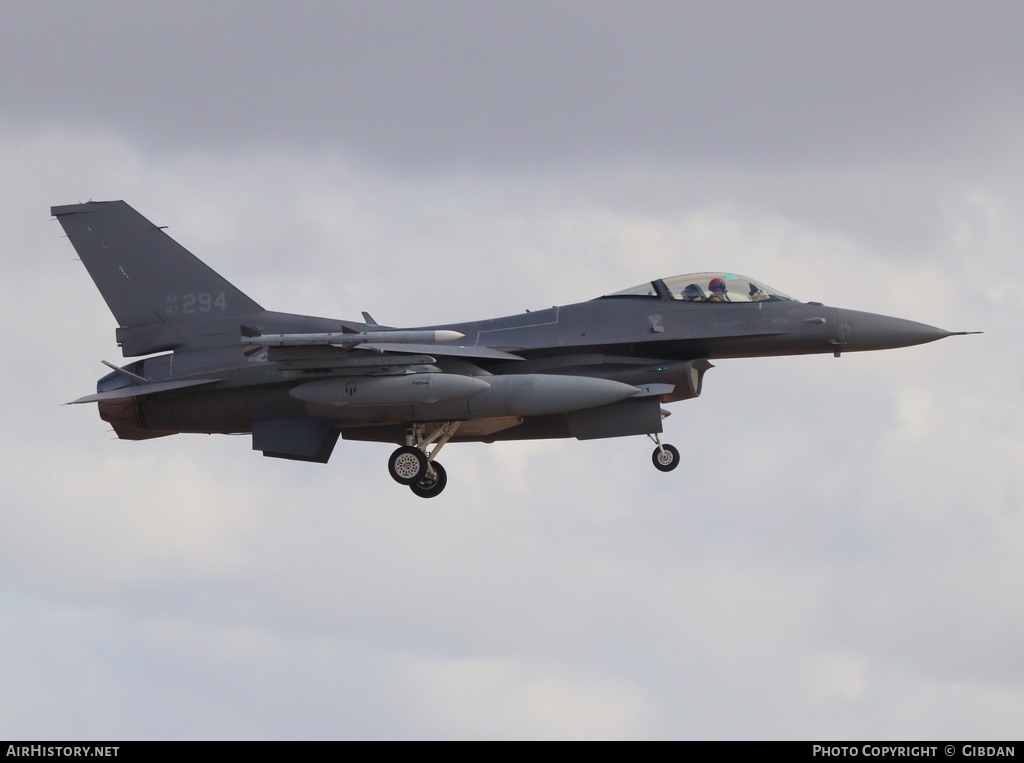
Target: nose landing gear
665,457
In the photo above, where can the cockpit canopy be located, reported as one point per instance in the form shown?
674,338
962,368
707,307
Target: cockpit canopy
706,287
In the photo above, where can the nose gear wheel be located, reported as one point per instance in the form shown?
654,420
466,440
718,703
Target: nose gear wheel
665,457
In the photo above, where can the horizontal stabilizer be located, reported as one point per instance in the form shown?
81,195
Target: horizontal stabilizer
138,390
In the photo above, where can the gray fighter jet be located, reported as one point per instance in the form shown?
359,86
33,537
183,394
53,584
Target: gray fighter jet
219,363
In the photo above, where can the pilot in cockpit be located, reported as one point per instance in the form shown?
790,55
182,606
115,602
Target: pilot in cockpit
718,291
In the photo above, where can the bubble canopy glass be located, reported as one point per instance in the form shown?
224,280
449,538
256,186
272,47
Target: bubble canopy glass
706,287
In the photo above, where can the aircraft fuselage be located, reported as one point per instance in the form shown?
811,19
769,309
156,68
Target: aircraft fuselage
219,363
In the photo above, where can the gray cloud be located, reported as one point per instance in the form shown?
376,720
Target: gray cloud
437,85
839,554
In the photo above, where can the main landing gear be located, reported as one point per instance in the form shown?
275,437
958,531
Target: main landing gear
665,457
412,465
433,483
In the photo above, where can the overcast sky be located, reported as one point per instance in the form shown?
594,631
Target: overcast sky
841,553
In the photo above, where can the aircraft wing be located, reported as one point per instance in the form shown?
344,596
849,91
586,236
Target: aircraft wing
137,390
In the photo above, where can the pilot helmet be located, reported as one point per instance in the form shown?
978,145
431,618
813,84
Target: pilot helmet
717,286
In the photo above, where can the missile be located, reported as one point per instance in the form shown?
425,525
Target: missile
342,339
407,389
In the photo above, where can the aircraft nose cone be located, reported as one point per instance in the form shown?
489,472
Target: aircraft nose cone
869,331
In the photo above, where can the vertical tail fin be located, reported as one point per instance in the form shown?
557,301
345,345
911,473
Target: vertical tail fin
146,278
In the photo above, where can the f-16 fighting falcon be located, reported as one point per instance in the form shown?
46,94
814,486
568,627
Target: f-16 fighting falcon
217,362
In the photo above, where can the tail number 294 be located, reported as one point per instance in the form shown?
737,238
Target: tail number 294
203,302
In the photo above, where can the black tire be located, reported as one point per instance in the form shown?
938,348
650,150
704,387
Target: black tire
665,458
407,465
432,484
